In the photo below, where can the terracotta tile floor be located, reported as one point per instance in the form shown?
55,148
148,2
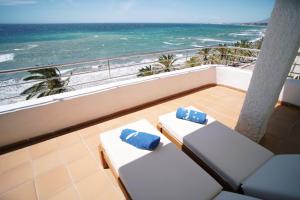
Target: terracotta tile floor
67,167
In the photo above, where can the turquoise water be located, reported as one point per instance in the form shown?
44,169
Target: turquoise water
43,44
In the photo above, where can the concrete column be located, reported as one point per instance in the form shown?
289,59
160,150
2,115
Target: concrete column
278,52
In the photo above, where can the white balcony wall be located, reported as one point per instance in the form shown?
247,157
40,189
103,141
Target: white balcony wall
36,117
290,92
233,77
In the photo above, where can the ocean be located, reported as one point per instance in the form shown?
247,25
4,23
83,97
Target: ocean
29,45
26,45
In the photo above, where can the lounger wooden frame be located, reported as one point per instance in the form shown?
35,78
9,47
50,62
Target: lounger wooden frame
106,163
195,158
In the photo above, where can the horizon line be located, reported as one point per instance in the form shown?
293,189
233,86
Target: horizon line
216,23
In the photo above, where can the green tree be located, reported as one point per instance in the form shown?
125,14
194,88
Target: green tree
167,61
50,82
243,44
223,51
205,53
258,43
146,71
193,61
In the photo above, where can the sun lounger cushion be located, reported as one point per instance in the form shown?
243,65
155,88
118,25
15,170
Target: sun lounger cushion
230,154
166,173
233,196
279,178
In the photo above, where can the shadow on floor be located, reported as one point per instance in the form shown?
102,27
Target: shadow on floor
283,130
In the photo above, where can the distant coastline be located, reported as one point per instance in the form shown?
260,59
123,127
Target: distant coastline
257,23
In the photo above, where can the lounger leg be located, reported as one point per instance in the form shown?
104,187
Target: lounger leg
102,158
159,127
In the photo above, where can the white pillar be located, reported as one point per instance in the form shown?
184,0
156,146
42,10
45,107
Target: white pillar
278,52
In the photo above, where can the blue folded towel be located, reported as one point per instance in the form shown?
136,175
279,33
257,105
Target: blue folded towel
191,115
140,140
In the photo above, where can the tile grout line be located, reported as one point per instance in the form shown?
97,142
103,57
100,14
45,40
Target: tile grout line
34,176
69,174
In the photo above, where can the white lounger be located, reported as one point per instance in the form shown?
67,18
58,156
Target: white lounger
162,174
234,158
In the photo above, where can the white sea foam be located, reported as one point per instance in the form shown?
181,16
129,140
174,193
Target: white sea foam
241,34
7,57
19,49
175,44
195,45
212,40
179,55
31,46
147,61
96,36
123,38
256,39
251,32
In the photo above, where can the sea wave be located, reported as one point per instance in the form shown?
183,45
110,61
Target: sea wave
195,45
175,44
212,40
255,39
7,57
19,49
123,38
31,46
147,61
241,34
251,32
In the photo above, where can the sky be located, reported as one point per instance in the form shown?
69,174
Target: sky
135,11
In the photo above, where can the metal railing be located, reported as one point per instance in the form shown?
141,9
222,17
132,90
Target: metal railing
104,70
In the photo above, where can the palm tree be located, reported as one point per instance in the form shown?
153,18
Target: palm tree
223,51
258,43
167,61
214,59
193,61
50,82
205,53
243,44
146,71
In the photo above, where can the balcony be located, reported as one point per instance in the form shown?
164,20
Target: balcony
49,145
58,142
71,160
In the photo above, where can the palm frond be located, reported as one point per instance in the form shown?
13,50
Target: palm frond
34,77
52,84
33,88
